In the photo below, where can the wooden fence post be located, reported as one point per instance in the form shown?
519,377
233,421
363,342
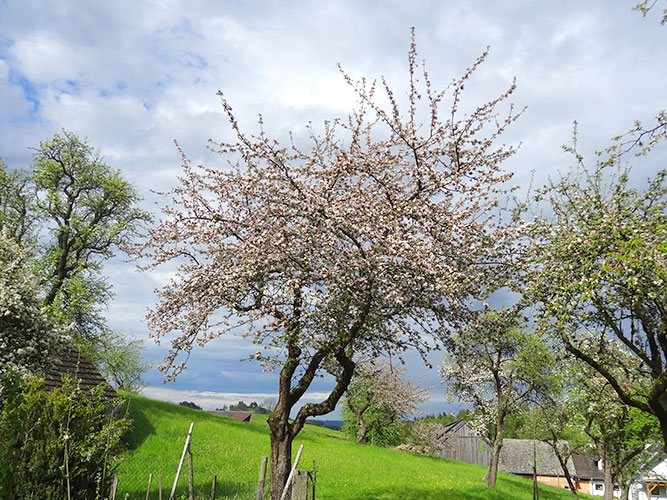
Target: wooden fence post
191,479
114,486
159,486
262,477
148,491
215,481
180,464
314,479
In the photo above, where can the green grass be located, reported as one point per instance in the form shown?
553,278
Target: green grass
345,471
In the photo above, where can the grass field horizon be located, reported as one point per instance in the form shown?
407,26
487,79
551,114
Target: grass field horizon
345,470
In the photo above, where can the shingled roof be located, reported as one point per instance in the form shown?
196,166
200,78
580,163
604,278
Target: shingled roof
587,467
71,361
516,457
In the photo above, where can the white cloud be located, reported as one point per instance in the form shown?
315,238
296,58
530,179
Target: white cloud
210,400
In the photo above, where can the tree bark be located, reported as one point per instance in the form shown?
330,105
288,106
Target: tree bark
361,430
659,406
495,453
608,478
281,460
562,458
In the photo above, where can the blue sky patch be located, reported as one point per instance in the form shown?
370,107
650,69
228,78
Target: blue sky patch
29,89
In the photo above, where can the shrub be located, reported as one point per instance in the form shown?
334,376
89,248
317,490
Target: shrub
55,442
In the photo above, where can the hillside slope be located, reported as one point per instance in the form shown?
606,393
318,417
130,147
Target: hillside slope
345,471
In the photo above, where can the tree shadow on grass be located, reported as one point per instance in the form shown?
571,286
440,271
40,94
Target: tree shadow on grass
141,425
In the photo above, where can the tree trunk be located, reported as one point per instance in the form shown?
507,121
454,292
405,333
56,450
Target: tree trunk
608,478
563,464
281,461
659,406
495,452
361,430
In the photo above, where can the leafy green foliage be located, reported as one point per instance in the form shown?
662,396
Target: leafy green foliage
89,210
598,270
385,425
497,365
118,357
81,211
376,402
16,214
55,441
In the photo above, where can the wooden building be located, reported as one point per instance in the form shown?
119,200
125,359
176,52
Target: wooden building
518,456
461,443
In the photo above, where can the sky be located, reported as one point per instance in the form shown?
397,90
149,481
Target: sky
133,77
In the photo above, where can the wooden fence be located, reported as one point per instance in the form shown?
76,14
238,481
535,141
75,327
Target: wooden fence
300,484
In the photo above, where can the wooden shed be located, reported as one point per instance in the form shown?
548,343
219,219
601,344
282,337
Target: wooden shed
462,444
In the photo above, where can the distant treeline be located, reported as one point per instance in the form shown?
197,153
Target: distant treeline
241,406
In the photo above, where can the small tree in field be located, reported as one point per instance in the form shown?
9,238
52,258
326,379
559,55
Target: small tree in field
497,367
377,398
378,234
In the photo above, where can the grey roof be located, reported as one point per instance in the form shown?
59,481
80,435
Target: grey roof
587,468
71,361
453,427
516,457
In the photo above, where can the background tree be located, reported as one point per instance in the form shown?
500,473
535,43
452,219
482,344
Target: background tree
620,434
90,211
557,419
368,241
190,404
269,404
377,400
16,212
599,264
496,366
80,211
118,357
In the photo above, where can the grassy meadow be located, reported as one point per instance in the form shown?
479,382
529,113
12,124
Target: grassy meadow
345,471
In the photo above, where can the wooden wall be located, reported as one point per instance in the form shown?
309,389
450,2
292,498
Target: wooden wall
466,447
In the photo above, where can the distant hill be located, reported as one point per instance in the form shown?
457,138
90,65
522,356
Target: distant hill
335,425
345,470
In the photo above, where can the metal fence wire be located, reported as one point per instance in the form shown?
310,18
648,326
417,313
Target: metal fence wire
301,488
